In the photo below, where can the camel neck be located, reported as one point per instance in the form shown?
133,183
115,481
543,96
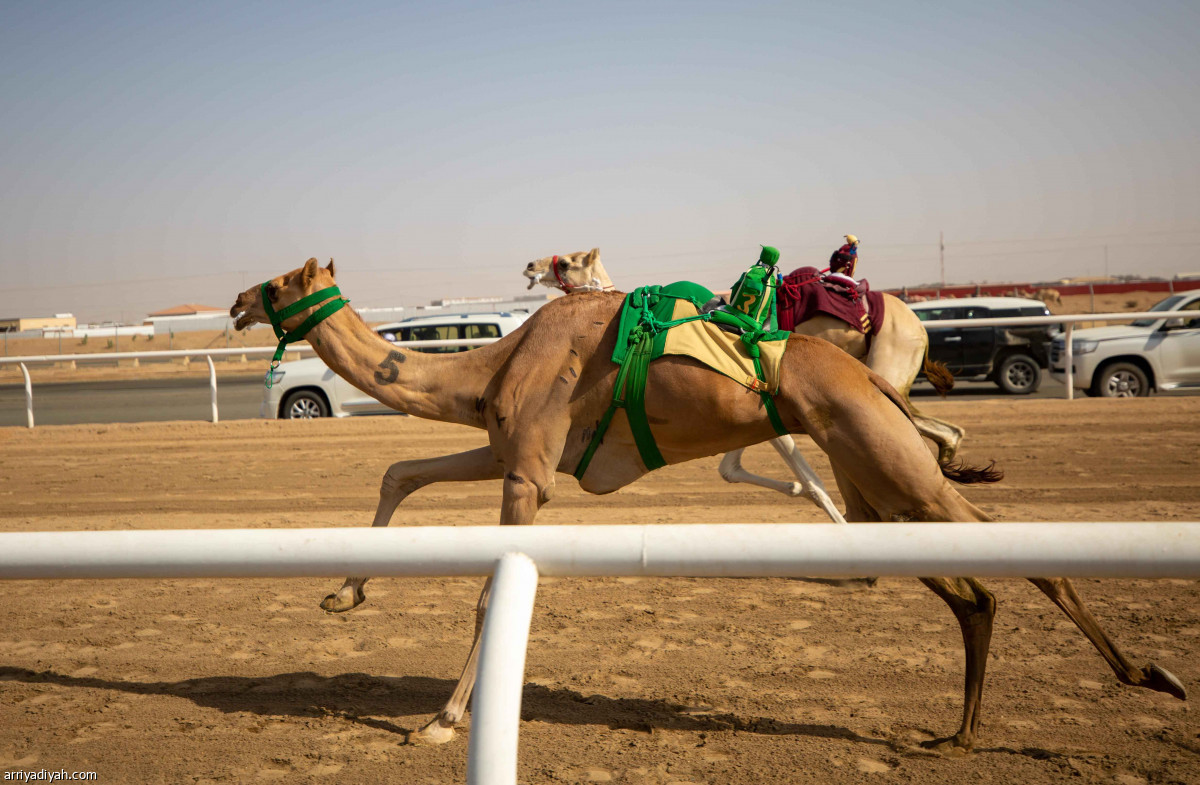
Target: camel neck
442,387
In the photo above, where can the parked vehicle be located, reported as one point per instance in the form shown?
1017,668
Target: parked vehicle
1011,357
1130,360
308,389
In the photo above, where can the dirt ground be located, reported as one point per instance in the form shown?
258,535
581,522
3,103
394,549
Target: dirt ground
628,680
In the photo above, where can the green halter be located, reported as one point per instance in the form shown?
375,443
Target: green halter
315,318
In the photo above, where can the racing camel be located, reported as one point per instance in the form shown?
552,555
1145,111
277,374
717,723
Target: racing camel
897,353
540,391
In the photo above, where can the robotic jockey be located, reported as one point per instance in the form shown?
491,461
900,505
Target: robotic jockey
841,264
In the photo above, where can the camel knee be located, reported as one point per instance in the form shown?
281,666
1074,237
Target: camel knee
731,467
398,482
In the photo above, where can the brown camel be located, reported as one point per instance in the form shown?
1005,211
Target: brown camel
539,392
897,353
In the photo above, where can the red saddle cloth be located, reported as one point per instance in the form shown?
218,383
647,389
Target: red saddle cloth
805,293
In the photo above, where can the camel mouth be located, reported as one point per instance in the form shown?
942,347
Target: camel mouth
534,280
242,320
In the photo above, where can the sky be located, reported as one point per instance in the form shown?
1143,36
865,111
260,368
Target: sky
153,154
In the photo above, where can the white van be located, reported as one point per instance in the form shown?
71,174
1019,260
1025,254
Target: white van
307,389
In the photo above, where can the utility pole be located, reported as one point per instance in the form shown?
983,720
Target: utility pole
942,254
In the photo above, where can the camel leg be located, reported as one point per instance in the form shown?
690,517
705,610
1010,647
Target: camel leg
975,608
1151,676
731,471
809,483
524,494
947,436
399,481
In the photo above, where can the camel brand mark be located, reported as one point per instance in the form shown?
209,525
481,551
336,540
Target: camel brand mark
389,365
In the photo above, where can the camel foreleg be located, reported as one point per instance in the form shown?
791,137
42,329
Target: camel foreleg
1151,676
525,491
975,608
402,479
809,484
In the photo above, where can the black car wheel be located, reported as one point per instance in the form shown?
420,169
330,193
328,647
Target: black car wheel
1019,374
1122,380
304,405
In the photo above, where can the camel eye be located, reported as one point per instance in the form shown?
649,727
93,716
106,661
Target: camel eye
564,264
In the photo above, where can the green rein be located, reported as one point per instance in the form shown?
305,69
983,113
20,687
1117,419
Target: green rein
315,318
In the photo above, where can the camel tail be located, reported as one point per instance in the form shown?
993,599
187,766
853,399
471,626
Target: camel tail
957,471
938,375
965,474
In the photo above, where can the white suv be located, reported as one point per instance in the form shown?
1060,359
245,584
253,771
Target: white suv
307,389
1128,360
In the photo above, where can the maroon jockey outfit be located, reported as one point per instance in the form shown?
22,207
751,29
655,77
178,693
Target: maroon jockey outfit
843,261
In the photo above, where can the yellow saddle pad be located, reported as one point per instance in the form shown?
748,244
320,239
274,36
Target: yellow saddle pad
722,351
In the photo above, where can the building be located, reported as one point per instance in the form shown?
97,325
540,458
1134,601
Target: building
59,322
188,317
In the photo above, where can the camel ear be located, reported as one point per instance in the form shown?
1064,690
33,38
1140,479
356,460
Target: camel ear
330,268
310,271
592,257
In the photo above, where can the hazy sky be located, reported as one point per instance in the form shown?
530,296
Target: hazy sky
159,153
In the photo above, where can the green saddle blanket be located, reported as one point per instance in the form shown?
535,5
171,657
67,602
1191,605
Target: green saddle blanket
662,320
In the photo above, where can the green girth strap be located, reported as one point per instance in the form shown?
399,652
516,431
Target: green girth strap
629,393
316,317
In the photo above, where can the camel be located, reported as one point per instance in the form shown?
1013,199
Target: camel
539,392
897,353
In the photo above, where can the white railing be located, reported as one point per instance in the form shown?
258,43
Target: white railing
935,324
208,354
515,555
1070,320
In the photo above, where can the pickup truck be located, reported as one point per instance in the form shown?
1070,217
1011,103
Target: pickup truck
1130,360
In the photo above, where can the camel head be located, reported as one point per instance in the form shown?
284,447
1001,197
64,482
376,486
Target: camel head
283,291
579,271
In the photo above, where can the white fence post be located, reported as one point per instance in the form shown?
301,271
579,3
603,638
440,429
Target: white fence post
1069,360
28,395
496,710
212,384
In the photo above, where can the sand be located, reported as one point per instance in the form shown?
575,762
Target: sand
628,681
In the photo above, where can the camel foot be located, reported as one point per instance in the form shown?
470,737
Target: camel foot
952,746
1162,680
434,732
344,599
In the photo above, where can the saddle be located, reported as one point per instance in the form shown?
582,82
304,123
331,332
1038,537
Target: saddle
806,293
670,320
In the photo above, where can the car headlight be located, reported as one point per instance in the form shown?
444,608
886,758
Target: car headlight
1083,346
276,376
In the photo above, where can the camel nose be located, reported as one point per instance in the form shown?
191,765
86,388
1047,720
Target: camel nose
529,266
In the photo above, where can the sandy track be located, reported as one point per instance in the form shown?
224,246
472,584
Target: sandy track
629,681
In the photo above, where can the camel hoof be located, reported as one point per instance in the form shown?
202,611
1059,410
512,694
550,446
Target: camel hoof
1162,680
795,489
951,747
346,598
434,732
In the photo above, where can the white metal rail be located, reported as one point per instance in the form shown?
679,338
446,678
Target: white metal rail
208,354
1070,320
515,555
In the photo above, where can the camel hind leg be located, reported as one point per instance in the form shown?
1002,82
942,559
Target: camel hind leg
808,483
1150,676
402,479
975,609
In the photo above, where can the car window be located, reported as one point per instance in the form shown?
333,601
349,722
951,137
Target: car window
979,312
1164,305
1194,305
481,331
431,332
934,314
